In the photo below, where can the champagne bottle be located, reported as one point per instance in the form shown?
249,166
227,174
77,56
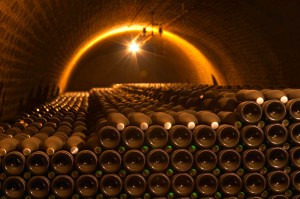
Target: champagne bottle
204,136
226,104
277,157
74,143
278,181
158,160
55,143
111,185
117,120
230,118
229,160
182,184
93,144
13,187
163,119
230,184
249,112
38,163
87,185
156,136
182,160
206,184
13,163
86,161
134,161
274,94
253,159
186,119
254,183
135,185
206,160
180,136
293,109
250,95
292,93
62,186
294,132
132,137
110,161
208,118
276,134
10,144
295,156
158,184
228,136
109,137
139,119
32,144
252,136
38,187
62,162
295,176
274,110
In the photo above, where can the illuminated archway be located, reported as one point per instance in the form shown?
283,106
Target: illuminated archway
203,67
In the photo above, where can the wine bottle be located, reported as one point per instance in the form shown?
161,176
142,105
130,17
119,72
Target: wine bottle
134,161
277,157
254,183
295,156
226,104
54,143
250,95
62,186
117,120
32,144
132,137
230,184
158,184
253,159
182,184
109,137
38,163
293,109
139,119
13,163
163,119
295,176
292,93
74,144
156,136
110,161
230,118
208,118
62,162
10,144
135,185
278,181
93,144
204,136
158,160
229,160
186,119
13,187
111,185
206,184
180,136
206,160
276,134
228,136
274,110
38,187
182,160
87,185
274,94
252,136
249,112
86,161
294,132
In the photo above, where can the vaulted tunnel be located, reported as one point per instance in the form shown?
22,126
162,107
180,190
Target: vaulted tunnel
236,42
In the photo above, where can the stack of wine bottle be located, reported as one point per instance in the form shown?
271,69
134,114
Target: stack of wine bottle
156,141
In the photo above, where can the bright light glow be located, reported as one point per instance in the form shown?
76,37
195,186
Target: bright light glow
203,67
133,47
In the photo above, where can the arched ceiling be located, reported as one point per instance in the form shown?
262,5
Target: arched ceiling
250,41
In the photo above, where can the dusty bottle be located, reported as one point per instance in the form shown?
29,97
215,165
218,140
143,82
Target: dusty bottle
158,184
252,136
254,183
292,93
156,136
226,104
276,134
277,157
32,144
110,161
228,136
163,119
295,156
135,185
10,144
206,160
139,119
249,112
231,118
117,120
109,137
93,144
62,162
294,132
186,119
111,185
13,163
134,161
250,95
253,159
274,110
208,118
38,187
62,186
74,143
182,184
278,181
230,184
271,94
206,184
229,160
54,143
158,160
180,136
13,187
132,137
204,136
38,163
182,160
295,176
86,161
86,185
293,109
